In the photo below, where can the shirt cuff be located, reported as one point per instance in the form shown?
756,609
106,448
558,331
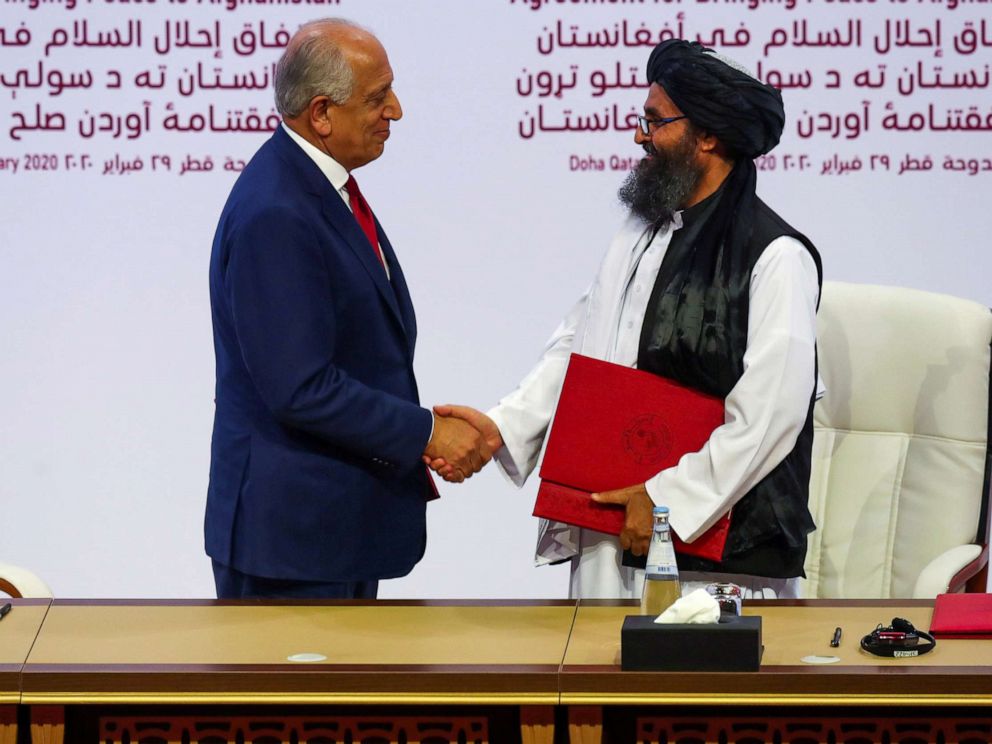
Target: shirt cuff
431,435
504,455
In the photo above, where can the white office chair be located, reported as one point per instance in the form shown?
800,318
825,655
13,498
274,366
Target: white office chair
19,582
900,480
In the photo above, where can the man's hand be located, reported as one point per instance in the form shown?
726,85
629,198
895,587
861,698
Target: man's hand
637,528
479,421
460,444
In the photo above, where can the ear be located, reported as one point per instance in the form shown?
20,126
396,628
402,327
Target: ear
708,143
319,112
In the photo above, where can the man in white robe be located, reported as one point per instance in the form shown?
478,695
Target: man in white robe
769,405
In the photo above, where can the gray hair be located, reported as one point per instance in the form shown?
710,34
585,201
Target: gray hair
313,65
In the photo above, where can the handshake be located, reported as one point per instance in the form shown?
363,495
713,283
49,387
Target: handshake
463,442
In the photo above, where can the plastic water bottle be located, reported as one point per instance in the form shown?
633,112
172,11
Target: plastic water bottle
661,576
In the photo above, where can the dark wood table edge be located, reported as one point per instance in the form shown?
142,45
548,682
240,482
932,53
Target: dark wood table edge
147,602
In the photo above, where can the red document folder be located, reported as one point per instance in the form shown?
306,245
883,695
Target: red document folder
616,427
962,616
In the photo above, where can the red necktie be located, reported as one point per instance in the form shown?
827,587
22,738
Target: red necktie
363,214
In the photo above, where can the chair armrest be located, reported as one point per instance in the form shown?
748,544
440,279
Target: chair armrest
19,582
947,572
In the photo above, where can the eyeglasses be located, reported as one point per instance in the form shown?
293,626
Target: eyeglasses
646,123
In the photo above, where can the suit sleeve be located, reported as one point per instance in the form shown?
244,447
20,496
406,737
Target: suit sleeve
279,289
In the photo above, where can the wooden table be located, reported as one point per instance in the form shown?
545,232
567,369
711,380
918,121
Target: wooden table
203,671
18,631
112,670
944,695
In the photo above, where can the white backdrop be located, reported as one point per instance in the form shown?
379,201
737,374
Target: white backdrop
490,189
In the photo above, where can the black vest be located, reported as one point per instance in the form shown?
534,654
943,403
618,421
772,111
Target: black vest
695,332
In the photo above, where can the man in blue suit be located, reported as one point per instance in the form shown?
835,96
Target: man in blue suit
317,484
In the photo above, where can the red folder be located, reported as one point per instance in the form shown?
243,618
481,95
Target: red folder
616,427
962,616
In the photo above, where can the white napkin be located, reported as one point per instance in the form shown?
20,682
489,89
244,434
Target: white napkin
698,607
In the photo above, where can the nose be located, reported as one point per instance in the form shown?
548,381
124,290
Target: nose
639,137
392,110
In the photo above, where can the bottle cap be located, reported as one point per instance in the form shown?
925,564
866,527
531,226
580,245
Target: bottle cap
660,510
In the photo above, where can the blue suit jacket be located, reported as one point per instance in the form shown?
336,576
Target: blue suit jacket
315,469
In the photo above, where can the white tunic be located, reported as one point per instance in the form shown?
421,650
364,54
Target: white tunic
765,411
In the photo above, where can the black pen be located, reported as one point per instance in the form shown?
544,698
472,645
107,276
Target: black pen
4,610
835,641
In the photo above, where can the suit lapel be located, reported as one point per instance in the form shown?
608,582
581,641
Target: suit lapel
400,288
343,222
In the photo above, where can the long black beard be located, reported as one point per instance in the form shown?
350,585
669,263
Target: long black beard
662,182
